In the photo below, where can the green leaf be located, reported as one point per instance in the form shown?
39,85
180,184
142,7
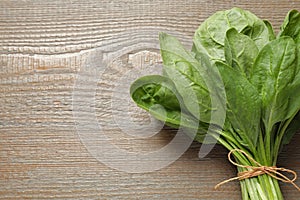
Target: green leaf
197,82
154,89
273,73
243,105
240,51
157,95
272,35
210,36
291,25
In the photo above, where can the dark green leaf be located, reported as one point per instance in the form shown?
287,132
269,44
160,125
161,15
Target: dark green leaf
272,35
273,73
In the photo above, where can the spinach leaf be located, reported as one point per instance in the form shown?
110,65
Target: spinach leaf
157,95
240,51
243,105
291,26
272,35
273,73
197,82
210,36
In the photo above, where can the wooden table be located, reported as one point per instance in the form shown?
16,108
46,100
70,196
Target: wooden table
46,45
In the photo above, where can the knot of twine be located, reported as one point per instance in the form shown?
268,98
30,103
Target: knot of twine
254,171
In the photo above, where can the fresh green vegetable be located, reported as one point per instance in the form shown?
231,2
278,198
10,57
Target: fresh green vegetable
240,84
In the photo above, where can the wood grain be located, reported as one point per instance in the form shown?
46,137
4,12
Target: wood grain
45,45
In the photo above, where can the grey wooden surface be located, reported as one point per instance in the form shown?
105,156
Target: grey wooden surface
44,45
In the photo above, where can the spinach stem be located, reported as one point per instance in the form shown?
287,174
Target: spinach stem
279,137
262,187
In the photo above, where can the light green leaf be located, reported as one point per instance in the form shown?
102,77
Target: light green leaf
243,105
240,51
157,95
210,36
291,25
196,81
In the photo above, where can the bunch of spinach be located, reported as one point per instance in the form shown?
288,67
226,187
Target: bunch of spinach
239,85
